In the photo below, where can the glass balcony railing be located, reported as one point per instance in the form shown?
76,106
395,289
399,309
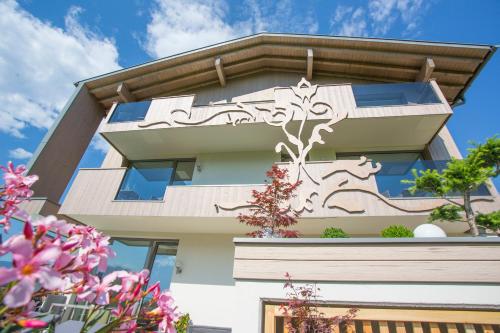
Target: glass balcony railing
148,180
392,173
413,93
134,111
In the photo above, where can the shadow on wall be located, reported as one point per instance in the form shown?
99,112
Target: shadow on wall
205,259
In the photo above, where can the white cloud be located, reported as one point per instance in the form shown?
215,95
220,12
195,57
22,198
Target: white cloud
98,142
351,22
378,17
20,154
39,63
183,25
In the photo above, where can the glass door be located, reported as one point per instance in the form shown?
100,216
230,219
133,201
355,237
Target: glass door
157,256
163,263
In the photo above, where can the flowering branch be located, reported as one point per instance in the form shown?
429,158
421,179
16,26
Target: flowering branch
53,257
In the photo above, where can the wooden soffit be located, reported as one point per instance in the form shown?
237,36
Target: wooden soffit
455,65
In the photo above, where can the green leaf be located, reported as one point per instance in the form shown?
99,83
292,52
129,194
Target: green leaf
52,327
488,153
428,181
397,231
109,327
490,221
446,213
334,233
11,328
95,318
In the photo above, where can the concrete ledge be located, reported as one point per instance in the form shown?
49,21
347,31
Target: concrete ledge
367,240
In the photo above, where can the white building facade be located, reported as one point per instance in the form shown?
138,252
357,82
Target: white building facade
191,136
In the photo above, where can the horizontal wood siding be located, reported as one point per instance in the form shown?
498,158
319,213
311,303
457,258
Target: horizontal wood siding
459,263
339,96
94,190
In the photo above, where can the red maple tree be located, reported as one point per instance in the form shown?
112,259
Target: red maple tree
270,209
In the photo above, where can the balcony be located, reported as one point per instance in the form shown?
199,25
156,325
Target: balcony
390,178
404,116
347,195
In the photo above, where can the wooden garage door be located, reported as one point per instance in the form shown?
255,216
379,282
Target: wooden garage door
398,320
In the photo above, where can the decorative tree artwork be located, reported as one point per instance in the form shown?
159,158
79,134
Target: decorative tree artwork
304,116
236,114
305,113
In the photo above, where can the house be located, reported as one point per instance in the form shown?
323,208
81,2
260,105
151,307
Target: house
192,134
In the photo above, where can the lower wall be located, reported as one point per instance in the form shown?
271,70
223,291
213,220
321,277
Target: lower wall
207,291
247,313
205,288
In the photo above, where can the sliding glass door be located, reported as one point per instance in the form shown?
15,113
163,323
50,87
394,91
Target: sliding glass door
136,254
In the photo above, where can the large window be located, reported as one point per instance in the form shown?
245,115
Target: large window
134,111
134,255
397,167
367,95
148,180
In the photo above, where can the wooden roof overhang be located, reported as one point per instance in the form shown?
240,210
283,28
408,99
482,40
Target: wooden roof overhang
378,60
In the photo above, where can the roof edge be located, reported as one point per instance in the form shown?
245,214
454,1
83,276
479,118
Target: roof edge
268,34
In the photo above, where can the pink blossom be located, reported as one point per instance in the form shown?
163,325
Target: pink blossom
16,183
168,312
32,323
28,269
51,223
98,291
16,190
65,263
128,326
155,289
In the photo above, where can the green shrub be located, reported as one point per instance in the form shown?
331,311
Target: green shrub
182,324
334,233
397,231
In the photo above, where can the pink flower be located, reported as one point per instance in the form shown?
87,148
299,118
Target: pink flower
16,190
28,268
32,323
51,223
98,291
128,326
16,183
155,289
168,312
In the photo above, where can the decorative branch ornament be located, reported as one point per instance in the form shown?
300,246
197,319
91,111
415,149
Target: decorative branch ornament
304,113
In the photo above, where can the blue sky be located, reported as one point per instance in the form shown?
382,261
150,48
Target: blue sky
45,46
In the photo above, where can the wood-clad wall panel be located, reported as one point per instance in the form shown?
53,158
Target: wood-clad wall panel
432,262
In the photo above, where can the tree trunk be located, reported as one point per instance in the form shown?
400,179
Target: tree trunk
469,215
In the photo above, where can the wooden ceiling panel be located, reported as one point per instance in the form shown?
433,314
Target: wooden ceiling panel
372,59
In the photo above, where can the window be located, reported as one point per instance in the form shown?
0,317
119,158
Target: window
397,167
148,180
367,95
183,173
134,111
134,255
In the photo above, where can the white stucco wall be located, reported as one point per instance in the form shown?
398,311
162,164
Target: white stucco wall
205,288
247,316
234,168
